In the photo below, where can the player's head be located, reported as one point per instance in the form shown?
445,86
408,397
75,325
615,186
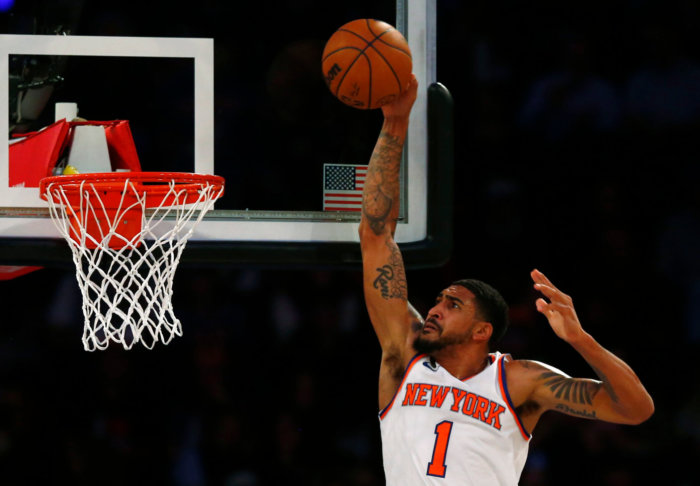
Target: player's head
491,305
467,311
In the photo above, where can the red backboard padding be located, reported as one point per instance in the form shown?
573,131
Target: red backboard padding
34,157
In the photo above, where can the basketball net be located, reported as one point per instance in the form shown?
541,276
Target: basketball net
126,232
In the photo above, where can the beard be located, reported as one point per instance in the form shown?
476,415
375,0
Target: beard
430,346
425,346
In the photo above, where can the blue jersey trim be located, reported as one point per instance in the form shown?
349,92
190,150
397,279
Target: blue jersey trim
507,397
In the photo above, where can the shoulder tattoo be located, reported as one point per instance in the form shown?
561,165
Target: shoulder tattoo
573,390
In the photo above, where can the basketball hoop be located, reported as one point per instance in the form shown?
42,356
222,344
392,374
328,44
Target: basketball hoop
126,231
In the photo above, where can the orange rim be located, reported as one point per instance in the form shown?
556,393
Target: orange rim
154,185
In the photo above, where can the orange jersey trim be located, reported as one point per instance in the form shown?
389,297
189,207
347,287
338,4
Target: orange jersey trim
413,361
504,391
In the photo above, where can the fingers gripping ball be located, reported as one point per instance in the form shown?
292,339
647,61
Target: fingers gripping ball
367,63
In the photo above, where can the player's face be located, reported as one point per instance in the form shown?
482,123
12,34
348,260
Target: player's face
450,321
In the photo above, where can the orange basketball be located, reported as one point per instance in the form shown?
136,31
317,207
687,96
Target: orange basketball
367,63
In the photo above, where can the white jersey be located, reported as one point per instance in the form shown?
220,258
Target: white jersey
440,430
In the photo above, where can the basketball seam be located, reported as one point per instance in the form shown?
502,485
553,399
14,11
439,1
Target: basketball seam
369,63
369,43
358,35
379,53
378,37
391,68
395,47
338,50
347,70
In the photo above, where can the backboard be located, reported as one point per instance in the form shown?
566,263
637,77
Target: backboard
241,99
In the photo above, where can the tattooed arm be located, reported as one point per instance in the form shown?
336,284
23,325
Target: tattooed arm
384,276
618,396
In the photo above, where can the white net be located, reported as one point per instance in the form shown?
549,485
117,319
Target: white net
126,246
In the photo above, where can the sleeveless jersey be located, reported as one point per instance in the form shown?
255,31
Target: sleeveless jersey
440,430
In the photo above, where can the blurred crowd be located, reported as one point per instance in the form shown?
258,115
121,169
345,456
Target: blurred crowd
576,152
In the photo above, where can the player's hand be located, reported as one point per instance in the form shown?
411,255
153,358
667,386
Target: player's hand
401,106
558,309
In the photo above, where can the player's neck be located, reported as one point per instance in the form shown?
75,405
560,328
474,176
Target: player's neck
462,362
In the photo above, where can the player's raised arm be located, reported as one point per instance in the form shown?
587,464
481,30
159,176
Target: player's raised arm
618,396
384,275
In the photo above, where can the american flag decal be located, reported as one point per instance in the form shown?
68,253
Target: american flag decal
342,187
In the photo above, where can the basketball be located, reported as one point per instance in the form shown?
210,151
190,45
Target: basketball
367,63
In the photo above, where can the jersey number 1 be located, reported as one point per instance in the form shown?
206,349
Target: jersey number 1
437,466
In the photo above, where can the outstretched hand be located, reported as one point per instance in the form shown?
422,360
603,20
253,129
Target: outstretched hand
558,309
401,106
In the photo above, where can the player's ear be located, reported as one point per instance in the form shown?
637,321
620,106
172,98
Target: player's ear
482,331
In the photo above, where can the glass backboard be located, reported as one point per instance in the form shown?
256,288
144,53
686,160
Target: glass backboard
242,97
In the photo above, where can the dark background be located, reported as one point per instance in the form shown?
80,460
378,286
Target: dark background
576,153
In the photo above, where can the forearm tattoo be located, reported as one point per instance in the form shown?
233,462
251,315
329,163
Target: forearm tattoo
570,389
382,183
391,277
581,413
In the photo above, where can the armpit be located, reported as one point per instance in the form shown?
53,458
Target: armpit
393,365
548,385
528,408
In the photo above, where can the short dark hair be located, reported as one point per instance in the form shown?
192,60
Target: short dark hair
491,307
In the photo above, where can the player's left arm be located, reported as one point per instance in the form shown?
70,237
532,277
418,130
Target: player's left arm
617,396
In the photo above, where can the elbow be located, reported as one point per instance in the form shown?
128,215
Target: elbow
648,411
367,237
643,412
369,231
362,228
364,231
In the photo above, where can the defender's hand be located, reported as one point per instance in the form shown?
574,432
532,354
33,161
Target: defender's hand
401,106
559,311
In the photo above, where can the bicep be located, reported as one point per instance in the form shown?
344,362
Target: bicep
572,396
579,397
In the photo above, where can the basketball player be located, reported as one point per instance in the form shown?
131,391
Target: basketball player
452,410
